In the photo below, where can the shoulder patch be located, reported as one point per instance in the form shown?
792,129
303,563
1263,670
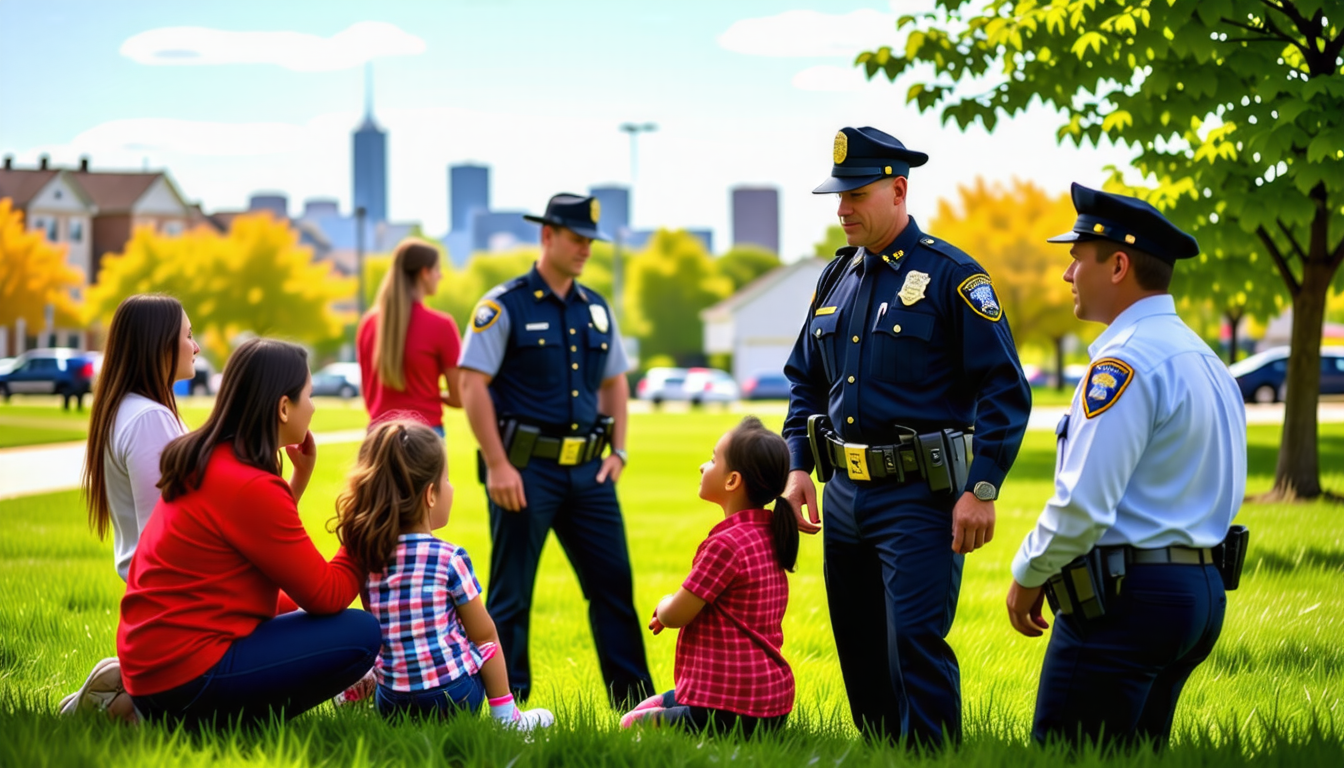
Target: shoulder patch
1106,381
484,315
978,292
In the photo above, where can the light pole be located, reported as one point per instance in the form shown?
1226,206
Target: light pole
359,255
634,129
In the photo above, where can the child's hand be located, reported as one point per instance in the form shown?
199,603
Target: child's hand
656,625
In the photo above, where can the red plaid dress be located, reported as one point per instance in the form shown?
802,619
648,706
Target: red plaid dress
728,657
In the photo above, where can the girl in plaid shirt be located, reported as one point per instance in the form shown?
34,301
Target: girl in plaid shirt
440,652
729,670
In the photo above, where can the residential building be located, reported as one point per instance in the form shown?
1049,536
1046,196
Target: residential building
53,202
756,217
759,324
276,203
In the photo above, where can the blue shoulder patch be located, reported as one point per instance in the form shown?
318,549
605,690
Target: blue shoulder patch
484,315
1106,381
978,292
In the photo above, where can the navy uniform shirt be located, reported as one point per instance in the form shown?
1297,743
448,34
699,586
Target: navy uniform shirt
912,336
546,356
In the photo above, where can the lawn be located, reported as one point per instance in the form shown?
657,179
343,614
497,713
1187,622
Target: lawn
1269,695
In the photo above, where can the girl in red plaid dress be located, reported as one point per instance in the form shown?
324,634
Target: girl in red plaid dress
440,649
729,670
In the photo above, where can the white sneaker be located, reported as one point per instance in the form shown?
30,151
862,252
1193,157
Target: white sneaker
102,686
528,720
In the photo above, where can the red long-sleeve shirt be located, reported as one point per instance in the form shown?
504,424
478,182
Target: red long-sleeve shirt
210,567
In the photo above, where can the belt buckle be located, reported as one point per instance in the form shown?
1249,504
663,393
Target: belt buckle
571,449
856,461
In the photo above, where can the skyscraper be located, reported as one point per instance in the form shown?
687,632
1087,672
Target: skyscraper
615,214
756,217
468,192
370,166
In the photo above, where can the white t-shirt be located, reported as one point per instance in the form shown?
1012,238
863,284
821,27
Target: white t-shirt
131,469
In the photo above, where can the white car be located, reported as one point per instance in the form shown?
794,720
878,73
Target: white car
709,385
661,384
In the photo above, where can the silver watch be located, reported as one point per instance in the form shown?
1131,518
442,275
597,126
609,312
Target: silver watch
985,491
621,454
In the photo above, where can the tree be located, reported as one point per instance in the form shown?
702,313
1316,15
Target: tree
1235,109
256,279
667,285
833,241
34,275
1006,231
745,263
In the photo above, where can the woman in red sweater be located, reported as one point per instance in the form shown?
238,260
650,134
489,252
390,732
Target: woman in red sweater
225,552
404,347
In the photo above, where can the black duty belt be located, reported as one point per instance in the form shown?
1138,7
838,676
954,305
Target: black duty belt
567,451
524,442
1085,583
883,462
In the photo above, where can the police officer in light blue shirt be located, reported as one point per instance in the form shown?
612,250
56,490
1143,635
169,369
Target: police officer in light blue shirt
543,385
1151,470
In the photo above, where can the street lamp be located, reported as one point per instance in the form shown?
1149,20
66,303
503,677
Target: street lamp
634,129
359,255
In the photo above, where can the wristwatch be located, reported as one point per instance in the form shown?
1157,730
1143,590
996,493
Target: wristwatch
621,454
985,491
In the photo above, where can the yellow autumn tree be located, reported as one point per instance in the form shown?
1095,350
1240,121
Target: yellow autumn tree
255,279
1005,229
33,275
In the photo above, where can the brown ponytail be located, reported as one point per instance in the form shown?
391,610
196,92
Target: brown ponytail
761,457
394,309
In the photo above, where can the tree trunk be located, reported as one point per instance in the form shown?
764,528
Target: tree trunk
1059,363
1234,322
1298,474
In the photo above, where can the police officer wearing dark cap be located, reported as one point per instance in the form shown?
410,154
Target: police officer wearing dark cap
1134,548
905,354
543,384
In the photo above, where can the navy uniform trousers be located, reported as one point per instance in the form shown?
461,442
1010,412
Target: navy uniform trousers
586,518
892,582
1118,677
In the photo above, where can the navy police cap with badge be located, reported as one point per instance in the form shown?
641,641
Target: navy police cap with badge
864,155
1127,220
575,213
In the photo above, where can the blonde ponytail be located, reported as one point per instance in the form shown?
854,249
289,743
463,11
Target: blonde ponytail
394,309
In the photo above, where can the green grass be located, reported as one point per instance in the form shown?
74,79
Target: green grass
1268,695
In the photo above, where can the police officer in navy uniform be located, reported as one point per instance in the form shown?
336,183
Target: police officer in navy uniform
905,352
543,385
1151,471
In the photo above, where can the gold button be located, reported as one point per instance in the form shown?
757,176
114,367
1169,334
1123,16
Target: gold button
541,342
575,366
573,427
849,420
573,348
572,331
856,339
604,345
896,328
574,393
851,379
538,294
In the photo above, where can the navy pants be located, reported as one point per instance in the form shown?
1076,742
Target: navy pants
1118,677
892,582
465,694
586,518
700,719
287,666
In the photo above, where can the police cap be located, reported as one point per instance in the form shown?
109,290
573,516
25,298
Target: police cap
1127,220
864,155
573,212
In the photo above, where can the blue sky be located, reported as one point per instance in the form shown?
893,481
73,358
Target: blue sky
743,92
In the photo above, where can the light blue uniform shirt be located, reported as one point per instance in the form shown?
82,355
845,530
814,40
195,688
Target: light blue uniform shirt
1153,453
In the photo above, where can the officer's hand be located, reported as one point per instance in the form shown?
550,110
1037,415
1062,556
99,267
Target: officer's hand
972,524
1024,609
800,492
612,466
505,485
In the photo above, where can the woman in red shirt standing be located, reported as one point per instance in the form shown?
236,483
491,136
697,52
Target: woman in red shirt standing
200,640
404,347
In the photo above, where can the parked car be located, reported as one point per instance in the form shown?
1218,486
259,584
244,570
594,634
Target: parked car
6,364
709,385
54,371
766,385
660,384
337,379
1263,377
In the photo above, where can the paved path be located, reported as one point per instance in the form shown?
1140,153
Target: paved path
46,468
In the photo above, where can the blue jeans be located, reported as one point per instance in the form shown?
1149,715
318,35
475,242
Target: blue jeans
287,666
465,694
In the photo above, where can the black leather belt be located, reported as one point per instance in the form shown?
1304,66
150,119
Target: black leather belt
895,462
568,451
1170,556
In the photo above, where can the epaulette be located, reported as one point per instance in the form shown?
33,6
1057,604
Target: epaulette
503,288
947,249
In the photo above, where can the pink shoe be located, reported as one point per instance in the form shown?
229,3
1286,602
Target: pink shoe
360,691
636,716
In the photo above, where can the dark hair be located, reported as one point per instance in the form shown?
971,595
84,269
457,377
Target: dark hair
384,493
140,358
1152,273
259,373
762,458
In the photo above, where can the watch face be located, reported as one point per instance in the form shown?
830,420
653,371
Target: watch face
984,491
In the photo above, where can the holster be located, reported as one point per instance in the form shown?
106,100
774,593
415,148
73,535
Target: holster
942,460
817,425
1080,586
519,439
1230,556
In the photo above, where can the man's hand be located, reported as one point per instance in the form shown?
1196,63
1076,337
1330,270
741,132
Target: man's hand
612,466
504,484
972,524
1024,609
800,492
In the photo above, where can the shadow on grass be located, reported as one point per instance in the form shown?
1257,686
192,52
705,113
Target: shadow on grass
1305,558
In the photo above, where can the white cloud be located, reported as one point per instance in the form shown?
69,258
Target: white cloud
810,33
189,137
827,77
298,51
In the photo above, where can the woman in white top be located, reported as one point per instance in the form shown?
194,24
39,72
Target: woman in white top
149,346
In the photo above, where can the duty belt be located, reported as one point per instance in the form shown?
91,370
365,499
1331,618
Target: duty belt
524,442
883,462
568,451
1084,584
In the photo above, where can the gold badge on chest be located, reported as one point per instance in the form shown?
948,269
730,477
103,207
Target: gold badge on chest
913,289
599,314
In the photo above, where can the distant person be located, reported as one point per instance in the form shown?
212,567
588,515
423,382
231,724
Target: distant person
440,653
404,347
543,382
200,638
730,669
149,346
1151,471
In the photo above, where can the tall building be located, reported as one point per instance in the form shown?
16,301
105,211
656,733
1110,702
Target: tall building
276,203
756,217
615,214
502,230
370,166
468,192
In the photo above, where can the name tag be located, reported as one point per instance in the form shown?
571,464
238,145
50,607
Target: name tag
824,311
537,326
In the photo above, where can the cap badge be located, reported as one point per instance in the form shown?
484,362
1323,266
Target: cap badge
913,289
841,150
595,209
1129,239
599,314
1098,228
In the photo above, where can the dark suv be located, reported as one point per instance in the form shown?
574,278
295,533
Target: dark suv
58,371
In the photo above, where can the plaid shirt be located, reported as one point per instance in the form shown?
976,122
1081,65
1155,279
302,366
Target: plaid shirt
414,599
728,657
